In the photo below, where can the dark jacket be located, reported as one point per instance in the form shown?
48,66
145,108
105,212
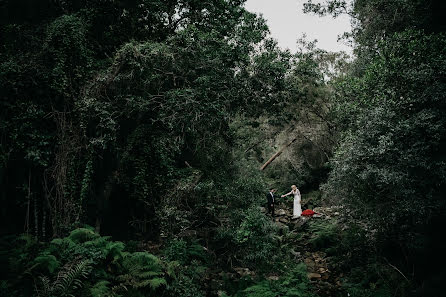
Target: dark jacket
270,199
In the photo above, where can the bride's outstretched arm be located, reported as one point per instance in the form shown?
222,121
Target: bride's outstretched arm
287,194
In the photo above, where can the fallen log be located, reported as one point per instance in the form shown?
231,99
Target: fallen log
277,154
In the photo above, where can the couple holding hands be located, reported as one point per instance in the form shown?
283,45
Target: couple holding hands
297,209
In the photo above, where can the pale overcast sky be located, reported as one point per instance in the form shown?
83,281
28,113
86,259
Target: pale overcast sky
287,23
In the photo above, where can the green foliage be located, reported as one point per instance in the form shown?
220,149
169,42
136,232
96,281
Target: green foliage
186,267
69,280
375,279
85,243
394,137
46,263
86,262
157,114
101,289
377,20
294,283
184,252
83,235
312,199
16,255
106,100
250,238
186,280
324,235
142,271
67,54
389,165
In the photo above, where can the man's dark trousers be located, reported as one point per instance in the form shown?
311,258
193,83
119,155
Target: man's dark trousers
271,202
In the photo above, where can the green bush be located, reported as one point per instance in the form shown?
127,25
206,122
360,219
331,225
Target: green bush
184,252
80,264
324,234
391,152
312,199
375,280
251,239
186,267
47,263
17,261
70,279
101,289
142,273
294,284
186,280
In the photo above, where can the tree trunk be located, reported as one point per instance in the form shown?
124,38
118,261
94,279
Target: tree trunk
97,228
277,154
29,205
43,223
36,218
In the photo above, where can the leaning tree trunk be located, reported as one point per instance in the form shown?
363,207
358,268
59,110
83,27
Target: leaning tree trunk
277,154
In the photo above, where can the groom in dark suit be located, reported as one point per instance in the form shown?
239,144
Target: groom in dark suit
271,201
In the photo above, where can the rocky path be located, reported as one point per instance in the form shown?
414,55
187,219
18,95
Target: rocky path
320,270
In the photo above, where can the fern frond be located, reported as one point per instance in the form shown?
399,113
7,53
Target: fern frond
81,235
69,278
45,289
46,262
101,289
143,270
157,282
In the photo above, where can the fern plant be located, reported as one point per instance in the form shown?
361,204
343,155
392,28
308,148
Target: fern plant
69,279
45,263
253,239
184,252
102,289
87,244
62,268
294,284
142,272
324,235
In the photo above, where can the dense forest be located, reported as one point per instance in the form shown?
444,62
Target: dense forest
133,134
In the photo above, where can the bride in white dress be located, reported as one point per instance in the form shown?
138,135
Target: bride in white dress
297,209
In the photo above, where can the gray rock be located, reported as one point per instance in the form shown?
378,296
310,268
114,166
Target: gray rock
313,275
281,212
284,220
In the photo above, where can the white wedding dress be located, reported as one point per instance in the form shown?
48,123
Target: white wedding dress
297,209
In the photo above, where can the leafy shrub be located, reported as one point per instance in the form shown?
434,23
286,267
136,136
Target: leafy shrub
101,289
47,263
324,234
294,284
17,254
186,268
251,238
184,252
85,243
312,199
141,272
80,264
69,279
353,247
389,166
392,149
186,280
82,235
374,279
